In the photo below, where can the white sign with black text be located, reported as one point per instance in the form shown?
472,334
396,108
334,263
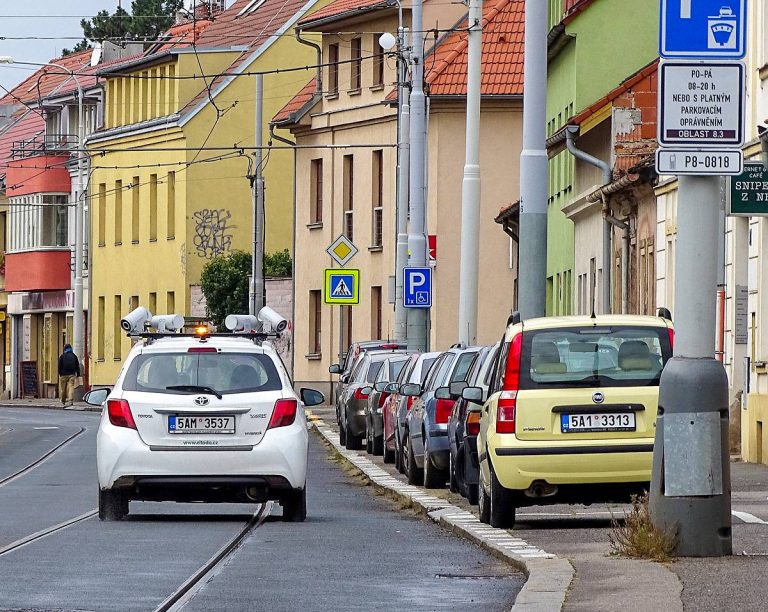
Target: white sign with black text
703,162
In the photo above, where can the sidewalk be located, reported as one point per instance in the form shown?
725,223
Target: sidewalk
48,404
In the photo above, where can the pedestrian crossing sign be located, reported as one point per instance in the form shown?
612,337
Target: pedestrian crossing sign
342,286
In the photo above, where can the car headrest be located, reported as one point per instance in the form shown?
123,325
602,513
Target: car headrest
634,355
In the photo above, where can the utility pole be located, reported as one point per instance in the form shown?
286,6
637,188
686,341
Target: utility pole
534,166
257,261
417,236
403,165
78,324
471,185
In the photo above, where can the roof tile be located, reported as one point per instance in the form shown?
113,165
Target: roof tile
296,103
341,8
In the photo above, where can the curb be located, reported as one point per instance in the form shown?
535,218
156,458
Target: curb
548,577
83,408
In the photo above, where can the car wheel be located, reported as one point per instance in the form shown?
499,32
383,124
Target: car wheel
342,435
378,446
415,474
295,506
368,441
483,502
389,455
502,511
472,494
399,463
433,478
353,442
113,505
452,484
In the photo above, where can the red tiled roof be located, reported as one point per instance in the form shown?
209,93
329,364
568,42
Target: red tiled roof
48,80
296,103
502,58
26,127
343,8
182,35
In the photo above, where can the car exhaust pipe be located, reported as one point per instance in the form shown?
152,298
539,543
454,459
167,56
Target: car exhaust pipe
541,488
255,494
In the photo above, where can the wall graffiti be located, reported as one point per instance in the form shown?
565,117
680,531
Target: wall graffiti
213,232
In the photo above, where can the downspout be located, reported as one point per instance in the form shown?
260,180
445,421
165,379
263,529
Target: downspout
319,50
624,227
571,131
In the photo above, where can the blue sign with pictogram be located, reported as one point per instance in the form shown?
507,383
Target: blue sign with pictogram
342,286
704,29
417,287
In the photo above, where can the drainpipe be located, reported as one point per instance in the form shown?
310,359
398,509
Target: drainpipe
571,131
319,51
624,227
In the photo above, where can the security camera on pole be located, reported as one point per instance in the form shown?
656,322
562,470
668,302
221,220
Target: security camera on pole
701,131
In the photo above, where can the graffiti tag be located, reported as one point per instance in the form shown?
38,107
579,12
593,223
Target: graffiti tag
212,232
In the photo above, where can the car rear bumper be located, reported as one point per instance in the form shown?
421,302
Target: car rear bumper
124,460
356,423
378,424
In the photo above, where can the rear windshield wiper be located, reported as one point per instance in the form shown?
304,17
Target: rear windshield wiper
195,389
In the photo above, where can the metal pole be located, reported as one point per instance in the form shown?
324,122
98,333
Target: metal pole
417,238
256,296
471,185
403,159
78,323
534,170
690,483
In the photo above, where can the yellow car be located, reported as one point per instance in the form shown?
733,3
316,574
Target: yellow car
571,412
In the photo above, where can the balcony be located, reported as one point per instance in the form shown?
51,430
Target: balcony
48,144
46,270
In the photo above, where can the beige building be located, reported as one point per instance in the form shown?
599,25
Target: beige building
346,130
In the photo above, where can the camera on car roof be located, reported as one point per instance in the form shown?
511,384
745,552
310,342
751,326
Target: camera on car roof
251,323
136,322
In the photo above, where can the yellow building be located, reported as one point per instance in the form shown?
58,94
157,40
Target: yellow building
169,187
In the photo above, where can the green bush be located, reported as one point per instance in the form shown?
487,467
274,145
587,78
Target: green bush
224,281
278,264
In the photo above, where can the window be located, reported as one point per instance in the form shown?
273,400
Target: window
170,303
117,330
376,312
355,66
153,207
100,329
54,221
378,62
153,303
102,213
315,322
316,191
333,69
136,202
377,189
118,212
348,195
171,181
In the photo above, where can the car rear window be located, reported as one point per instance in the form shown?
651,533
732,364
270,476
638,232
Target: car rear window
463,364
373,371
395,367
594,356
224,372
426,367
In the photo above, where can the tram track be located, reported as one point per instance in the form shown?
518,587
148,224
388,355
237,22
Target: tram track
190,587
43,533
31,466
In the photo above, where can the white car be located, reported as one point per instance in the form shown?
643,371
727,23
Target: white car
211,418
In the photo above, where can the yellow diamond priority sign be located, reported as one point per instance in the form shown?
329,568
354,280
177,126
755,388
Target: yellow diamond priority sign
342,250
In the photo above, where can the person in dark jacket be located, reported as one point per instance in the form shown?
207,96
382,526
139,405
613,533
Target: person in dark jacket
69,370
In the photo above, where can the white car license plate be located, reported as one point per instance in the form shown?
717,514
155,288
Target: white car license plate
201,424
587,422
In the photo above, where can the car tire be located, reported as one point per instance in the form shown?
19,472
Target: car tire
452,484
342,436
295,506
414,472
388,455
483,503
368,442
113,505
353,442
433,478
378,446
399,463
502,508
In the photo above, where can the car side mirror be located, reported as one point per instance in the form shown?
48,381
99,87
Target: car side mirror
335,369
457,387
391,388
366,390
344,378
310,397
96,397
474,395
410,390
443,393
381,386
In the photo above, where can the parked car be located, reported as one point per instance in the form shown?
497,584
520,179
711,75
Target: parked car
396,406
463,427
378,394
354,398
571,412
353,354
426,448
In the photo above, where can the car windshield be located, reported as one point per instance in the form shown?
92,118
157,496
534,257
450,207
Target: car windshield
224,372
594,357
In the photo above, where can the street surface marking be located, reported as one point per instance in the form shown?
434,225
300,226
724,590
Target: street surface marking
51,427
747,517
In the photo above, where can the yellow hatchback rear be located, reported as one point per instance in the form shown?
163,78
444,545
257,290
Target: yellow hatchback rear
572,412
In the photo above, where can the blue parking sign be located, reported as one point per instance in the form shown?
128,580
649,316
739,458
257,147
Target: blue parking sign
705,29
417,287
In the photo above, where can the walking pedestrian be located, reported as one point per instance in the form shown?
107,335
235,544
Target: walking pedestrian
69,369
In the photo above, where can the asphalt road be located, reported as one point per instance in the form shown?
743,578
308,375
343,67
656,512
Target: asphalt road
355,551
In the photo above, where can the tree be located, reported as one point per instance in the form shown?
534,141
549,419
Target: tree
224,281
147,21
278,264
81,46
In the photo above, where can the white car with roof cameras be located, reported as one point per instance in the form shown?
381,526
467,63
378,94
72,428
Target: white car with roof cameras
202,417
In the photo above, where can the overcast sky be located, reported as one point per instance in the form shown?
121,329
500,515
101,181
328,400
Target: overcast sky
44,18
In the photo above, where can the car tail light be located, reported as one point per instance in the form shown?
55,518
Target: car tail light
507,405
359,395
473,423
383,398
671,333
202,349
409,402
120,414
443,410
284,413
386,347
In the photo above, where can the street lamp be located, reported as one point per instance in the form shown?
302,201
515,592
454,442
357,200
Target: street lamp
78,323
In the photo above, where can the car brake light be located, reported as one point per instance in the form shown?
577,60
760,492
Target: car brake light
388,346
409,402
443,410
383,398
671,333
359,395
473,423
202,349
120,414
507,405
284,413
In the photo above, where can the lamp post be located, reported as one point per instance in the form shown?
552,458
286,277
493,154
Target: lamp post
78,328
